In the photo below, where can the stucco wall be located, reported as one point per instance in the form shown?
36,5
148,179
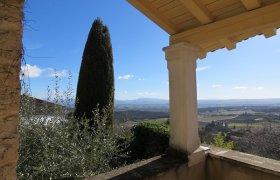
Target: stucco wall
10,57
183,172
231,165
157,168
219,170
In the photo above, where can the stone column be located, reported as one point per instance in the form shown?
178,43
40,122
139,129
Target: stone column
10,59
181,59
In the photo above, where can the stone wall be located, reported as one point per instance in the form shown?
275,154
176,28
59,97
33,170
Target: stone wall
11,15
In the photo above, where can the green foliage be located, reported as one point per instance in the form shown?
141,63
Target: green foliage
263,142
96,79
151,138
219,141
53,147
206,133
246,125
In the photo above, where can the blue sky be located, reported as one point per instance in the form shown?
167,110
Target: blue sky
55,33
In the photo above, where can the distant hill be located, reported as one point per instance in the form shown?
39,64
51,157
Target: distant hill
160,105
150,104
214,102
142,101
141,109
40,105
239,102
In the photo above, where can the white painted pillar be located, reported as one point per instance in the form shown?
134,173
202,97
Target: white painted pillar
181,59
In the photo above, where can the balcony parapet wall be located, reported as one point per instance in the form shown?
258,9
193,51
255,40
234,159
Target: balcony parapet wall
220,164
231,165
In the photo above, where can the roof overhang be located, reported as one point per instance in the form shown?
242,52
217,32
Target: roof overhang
212,24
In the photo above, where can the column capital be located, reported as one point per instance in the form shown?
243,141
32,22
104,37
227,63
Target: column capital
181,50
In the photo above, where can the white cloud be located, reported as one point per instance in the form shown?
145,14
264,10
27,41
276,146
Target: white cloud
35,71
126,77
52,73
31,71
240,87
33,46
125,92
165,82
216,85
146,94
259,88
203,68
141,79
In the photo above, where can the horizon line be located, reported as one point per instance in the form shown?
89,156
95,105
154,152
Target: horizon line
210,99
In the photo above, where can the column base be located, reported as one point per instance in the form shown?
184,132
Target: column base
196,157
177,153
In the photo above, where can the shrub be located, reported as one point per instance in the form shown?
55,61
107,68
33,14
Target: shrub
261,142
53,147
219,141
150,138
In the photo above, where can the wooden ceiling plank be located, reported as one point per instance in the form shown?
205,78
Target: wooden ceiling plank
175,12
189,24
228,43
198,11
234,10
182,18
251,4
159,3
269,32
222,4
169,5
206,2
152,13
261,18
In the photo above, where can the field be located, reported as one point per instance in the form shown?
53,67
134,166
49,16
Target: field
233,116
252,129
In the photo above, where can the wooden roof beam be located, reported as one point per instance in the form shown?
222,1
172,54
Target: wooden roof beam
269,32
197,10
267,17
228,43
251,4
202,54
147,8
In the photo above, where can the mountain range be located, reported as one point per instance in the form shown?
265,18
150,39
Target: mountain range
205,103
142,101
201,103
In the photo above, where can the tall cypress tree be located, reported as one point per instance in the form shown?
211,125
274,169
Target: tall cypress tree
96,78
